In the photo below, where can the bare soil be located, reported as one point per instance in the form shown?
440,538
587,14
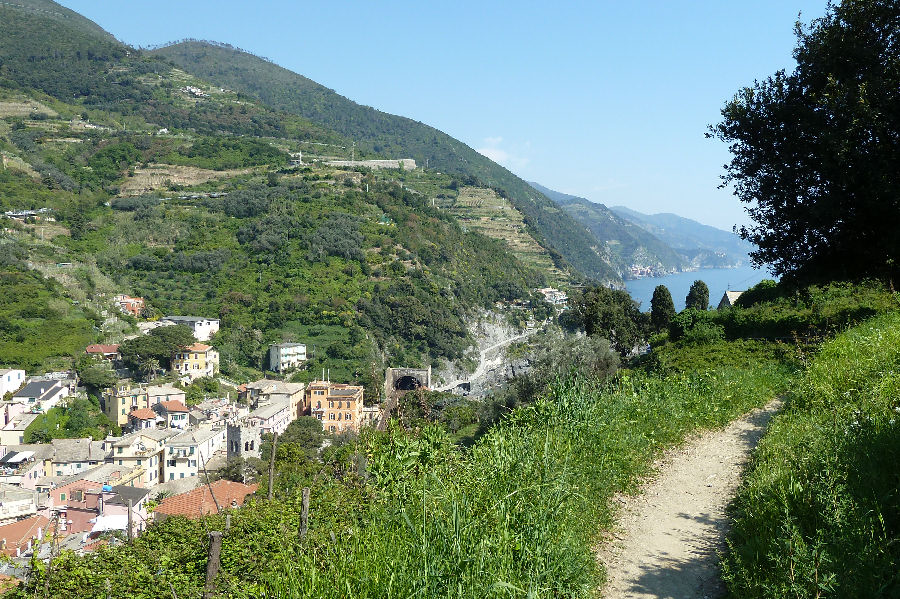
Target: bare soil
669,536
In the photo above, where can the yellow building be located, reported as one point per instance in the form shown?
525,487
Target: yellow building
196,361
123,399
337,405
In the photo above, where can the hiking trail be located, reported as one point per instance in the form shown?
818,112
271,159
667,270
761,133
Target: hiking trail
666,539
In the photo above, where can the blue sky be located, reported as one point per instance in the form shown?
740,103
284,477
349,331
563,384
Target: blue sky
608,100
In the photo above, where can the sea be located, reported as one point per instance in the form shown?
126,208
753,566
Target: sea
719,280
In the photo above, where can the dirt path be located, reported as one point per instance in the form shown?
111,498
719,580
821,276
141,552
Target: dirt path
666,543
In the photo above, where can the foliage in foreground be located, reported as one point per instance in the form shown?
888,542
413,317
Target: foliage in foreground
411,514
819,513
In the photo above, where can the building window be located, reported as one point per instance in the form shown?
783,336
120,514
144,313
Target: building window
62,496
347,416
171,476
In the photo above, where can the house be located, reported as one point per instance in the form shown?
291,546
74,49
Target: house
285,356
41,395
173,413
105,352
76,456
117,505
129,305
728,299
267,391
554,296
337,405
203,328
10,380
21,537
13,433
158,393
143,450
120,401
25,465
143,418
204,500
188,453
16,503
272,417
196,361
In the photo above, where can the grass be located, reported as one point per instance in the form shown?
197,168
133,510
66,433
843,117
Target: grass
819,512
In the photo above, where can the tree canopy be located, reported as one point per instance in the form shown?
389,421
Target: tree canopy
608,313
697,297
662,308
816,152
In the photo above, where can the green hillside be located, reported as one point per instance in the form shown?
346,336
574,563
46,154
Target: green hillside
626,244
391,136
169,187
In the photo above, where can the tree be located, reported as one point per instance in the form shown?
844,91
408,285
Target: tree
816,151
159,345
662,308
608,313
697,297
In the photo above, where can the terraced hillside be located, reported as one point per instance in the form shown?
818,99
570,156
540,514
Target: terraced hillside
485,211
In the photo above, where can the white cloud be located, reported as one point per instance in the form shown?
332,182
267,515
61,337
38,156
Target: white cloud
510,158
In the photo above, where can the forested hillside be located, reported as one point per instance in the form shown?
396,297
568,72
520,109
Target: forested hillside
391,136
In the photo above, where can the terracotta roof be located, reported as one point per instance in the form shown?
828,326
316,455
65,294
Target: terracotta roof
173,406
199,502
199,347
143,414
99,348
19,533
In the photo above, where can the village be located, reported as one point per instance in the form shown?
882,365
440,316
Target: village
85,492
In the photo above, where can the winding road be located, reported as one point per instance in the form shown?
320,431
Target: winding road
484,363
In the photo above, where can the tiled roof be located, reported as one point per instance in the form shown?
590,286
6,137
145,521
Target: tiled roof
143,414
19,533
198,347
99,348
173,406
78,450
199,502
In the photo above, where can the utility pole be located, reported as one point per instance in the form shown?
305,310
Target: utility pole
130,521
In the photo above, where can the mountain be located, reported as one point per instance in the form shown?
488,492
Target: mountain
630,248
378,133
705,246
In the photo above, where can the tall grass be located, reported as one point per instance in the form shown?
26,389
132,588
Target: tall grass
819,513
516,515
520,514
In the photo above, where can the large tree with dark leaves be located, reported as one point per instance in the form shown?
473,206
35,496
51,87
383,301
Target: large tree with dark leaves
817,151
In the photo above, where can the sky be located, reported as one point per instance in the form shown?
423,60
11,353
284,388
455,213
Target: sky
606,100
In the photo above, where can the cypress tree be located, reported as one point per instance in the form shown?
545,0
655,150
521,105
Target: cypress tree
698,296
662,308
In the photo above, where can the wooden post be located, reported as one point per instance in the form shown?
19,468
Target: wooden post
272,464
304,513
213,563
130,522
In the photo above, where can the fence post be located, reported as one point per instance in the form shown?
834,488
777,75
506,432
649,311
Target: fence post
213,563
304,513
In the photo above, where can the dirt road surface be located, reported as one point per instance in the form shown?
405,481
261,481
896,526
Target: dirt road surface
667,539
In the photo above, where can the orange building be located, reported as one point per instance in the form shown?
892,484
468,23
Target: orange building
339,406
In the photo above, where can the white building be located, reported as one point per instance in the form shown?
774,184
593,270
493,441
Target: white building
203,328
284,356
41,395
187,454
10,380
